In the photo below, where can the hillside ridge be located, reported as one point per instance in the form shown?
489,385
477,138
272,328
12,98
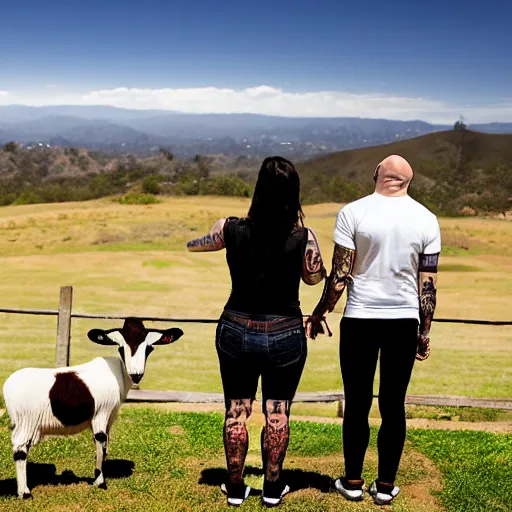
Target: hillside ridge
455,172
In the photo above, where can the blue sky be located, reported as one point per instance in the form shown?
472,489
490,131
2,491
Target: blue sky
452,54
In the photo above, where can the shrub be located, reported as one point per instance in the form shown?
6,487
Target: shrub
228,185
151,185
28,197
10,147
137,198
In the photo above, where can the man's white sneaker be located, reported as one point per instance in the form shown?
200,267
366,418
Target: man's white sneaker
350,491
383,494
236,494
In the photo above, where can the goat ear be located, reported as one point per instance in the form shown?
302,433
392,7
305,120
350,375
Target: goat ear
169,336
100,337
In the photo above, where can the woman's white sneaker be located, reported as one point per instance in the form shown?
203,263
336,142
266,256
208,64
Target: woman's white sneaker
351,491
383,494
236,494
273,493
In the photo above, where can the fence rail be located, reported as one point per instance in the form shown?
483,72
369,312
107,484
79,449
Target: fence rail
65,314
147,395
55,312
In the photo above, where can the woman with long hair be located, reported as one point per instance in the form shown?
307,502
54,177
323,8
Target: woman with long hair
261,332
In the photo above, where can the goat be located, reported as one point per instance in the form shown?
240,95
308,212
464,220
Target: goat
65,401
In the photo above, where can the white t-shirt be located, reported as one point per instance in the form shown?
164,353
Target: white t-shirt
388,234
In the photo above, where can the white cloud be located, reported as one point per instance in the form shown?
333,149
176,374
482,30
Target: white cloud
3,94
268,100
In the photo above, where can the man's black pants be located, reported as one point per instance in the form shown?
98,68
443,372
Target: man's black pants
361,340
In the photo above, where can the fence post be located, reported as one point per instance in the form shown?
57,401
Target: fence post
64,327
341,407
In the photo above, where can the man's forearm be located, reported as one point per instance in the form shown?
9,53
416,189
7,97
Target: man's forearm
427,283
342,265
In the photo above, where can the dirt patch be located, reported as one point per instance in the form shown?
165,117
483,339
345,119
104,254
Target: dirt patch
497,427
176,430
423,491
311,481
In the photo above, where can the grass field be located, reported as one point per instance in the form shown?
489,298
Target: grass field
131,259
162,461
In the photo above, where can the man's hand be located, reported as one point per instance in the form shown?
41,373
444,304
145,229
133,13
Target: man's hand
314,326
423,347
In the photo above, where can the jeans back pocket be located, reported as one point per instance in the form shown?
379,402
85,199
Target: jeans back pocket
230,339
287,347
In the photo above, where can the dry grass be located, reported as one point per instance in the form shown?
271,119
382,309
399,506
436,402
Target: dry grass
131,260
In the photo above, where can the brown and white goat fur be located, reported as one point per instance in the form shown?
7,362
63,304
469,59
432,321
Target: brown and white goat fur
65,401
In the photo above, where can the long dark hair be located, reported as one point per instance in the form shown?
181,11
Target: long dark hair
275,202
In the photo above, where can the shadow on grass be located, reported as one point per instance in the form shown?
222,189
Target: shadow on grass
46,474
297,479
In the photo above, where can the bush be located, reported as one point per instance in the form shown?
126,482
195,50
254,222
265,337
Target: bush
151,185
318,187
10,147
228,185
28,197
187,186
137,198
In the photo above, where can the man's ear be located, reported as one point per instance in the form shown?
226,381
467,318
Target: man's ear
100,337
168,336
376,173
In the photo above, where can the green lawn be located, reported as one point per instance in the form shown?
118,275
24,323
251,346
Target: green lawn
476,468
166,461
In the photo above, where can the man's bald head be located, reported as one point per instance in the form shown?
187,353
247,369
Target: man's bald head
393,176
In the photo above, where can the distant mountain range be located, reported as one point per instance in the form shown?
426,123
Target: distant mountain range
143,132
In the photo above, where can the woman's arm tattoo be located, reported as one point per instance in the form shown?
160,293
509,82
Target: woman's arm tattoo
427,284
313,270
213,241
342,266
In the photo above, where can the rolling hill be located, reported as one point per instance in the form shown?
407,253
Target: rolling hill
448,148
453,170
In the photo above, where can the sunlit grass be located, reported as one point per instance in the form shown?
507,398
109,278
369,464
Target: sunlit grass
149,272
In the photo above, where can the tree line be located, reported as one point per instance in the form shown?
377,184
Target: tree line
28,177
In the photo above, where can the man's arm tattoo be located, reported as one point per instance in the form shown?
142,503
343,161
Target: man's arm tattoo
313,270
213,241
427,284
342,265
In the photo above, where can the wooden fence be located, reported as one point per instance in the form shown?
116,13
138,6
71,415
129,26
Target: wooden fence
64,315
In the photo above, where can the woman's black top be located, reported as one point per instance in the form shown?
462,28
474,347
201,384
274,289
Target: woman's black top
265,266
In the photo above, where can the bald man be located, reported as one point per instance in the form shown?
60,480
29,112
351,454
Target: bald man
386,251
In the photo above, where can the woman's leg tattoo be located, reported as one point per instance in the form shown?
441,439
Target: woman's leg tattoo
236,438
275,437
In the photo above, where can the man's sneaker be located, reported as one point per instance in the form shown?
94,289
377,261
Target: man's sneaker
350,490
383,494
273,493
236,493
